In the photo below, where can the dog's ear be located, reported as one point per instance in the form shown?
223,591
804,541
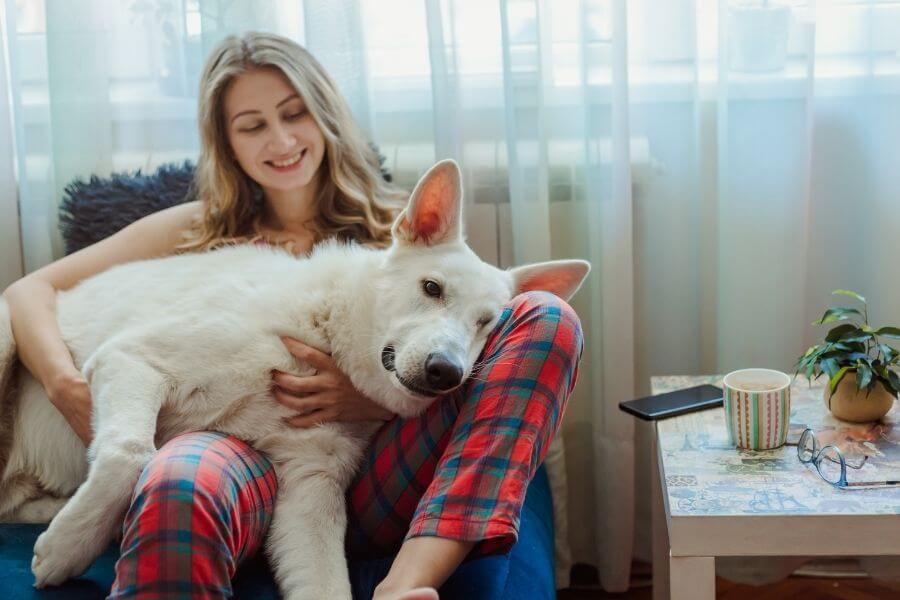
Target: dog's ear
560,277
434,212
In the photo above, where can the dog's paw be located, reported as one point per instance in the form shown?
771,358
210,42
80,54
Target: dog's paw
55,560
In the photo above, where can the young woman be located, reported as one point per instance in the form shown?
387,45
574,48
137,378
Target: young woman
282,162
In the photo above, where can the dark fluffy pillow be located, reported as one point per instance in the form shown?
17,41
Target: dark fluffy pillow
95,209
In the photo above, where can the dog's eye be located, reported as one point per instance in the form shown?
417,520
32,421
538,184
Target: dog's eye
432,288
483,322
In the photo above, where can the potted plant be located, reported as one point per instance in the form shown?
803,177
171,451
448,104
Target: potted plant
862,381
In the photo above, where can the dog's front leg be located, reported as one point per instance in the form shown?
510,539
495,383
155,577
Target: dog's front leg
306,540
127,395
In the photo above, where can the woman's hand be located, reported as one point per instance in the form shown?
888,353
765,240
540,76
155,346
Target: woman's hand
328,395
70,394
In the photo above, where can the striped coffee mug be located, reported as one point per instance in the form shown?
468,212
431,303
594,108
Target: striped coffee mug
757,408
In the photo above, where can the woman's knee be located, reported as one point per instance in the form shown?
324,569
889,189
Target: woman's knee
209,468
214,485
537,305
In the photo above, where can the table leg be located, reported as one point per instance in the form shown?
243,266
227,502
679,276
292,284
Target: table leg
692,577
658,523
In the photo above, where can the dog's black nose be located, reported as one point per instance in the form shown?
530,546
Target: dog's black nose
387,357
441,372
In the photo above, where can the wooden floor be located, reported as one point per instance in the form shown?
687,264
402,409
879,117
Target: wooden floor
792,588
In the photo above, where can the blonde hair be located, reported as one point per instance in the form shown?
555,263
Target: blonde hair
353,201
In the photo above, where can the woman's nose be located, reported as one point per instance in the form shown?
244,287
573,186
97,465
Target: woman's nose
282,139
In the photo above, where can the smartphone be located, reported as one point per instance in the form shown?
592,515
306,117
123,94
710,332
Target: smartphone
672,404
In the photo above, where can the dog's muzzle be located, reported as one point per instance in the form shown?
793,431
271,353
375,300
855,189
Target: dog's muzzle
387,358
442,372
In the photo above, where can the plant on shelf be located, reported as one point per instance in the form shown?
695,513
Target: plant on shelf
861,368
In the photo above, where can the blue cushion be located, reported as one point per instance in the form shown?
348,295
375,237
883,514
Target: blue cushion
527,572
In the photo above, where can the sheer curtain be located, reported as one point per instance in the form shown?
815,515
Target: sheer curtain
723,165
10,241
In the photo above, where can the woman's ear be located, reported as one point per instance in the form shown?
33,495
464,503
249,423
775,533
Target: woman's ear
434,213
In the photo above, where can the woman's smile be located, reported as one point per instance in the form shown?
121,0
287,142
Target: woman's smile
288,164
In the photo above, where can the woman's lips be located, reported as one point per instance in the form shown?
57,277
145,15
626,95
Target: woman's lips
289,164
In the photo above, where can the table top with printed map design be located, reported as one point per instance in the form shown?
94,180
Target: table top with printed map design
706,475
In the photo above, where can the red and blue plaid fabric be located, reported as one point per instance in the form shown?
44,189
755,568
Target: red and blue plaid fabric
202,505
458,471
461,469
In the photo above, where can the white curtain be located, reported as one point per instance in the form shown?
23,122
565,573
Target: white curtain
723,165
10,241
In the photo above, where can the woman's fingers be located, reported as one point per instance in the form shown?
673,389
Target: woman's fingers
304,405
312,356
300,385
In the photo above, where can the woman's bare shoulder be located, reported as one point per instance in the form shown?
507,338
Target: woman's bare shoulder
179,218
182,216
153,236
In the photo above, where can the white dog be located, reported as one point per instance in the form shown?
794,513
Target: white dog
188,343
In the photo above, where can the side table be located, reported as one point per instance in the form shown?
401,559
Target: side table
712,499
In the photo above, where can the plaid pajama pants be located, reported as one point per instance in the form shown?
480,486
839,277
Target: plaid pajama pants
458,471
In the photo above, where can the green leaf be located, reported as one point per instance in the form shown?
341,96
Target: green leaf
836,378
895,381
809,370
857,338
809,351
850,293
891,332
829,366
863,377
858,347
812,356
843,358
890,353
840,331
887,386
839,313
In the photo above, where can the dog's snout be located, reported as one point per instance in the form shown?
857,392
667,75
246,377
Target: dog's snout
442,372
387,358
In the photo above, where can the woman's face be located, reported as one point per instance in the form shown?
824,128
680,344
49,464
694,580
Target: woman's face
274,138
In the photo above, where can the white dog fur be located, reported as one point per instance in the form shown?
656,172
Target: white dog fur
188,343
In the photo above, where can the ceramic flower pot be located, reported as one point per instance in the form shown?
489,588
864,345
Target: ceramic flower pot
849,404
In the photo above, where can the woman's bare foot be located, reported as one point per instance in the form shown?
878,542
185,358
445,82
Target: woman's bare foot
421,566
419,594
425,593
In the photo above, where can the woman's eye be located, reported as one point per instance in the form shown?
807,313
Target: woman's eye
431,288
253,129
295,116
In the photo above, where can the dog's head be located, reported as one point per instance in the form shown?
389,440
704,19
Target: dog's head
436,301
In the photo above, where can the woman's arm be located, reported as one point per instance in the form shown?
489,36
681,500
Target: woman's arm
32,305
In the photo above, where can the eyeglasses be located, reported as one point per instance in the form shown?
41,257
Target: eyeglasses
831,465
